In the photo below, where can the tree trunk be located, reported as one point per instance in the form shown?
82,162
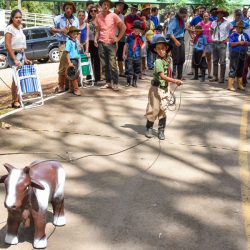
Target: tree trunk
7,4
19,4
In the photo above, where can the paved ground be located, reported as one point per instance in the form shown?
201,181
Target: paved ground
183,193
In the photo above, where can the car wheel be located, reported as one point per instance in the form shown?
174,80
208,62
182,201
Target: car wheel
4,64
43,60
54,55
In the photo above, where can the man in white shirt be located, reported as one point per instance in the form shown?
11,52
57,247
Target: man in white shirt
220,33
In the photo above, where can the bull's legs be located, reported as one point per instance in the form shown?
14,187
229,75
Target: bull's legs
40,239
13,222
58,210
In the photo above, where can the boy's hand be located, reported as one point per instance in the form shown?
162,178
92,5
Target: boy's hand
71,64
177,43
178,82
124,56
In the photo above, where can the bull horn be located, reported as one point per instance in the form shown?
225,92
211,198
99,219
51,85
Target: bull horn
8,167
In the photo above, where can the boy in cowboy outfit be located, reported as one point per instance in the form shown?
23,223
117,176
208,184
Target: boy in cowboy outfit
199,53
157,102
132,53
72,49
238,42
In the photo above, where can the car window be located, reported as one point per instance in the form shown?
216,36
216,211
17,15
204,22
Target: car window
38,33
27,34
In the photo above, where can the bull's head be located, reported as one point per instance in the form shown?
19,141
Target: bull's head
17,183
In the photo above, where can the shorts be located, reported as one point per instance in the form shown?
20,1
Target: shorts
119,52
20,56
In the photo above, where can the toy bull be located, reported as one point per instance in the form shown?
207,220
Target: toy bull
28,193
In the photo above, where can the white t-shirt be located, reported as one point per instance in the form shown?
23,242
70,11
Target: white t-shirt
18,40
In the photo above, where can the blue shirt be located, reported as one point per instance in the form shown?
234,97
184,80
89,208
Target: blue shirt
198,19
73,49
155,20
130,41
175,29
200,43
235,38
60,22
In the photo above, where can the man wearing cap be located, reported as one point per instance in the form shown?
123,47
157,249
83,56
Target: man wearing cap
120,7
220,33
62,23
106,39
176,31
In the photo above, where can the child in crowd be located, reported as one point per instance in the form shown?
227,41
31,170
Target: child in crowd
199,53
157,101
132,53
72,48
238,43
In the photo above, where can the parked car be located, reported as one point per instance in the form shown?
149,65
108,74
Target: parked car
42,45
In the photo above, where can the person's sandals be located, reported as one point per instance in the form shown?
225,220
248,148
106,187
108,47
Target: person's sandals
106,86
16,105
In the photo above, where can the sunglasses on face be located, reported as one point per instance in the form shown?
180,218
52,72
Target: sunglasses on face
93,11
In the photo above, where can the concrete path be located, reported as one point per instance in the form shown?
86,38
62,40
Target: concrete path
124,191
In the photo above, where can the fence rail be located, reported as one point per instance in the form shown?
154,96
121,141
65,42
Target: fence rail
29,19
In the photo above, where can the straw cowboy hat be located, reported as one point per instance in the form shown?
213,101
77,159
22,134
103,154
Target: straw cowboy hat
71,4
160,39
146,6
72,73
239,24
220,10
102,1
73,29
122,1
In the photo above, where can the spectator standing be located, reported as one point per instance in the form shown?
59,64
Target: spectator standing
220,32
206,26
247,60
132,53
154,16
89,5
238,17
62,23
199,53
213,14
238,42
72,50
145,14
84,30
106,40
93,50
245,14
120,7
15,43
176,32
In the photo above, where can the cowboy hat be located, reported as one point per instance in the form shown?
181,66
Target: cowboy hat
146,6
240,24
220,10
137,24
159,27
72,73
71,4
122,1
158,40
102,1
134,6
73,29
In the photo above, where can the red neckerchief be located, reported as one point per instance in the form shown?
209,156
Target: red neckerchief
138,39
180,20
196,38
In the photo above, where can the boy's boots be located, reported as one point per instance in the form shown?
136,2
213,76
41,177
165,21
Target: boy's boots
230,84
162,125
240,83
134,81
76,88
149,129
196,77
129,80
203,75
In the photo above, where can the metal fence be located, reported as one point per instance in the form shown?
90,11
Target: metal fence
29,19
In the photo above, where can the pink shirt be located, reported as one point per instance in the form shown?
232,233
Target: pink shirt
108,26
206,30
